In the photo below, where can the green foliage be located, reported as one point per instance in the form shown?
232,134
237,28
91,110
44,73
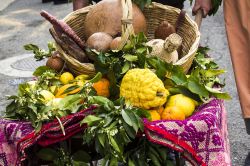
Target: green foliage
40,54
112,127
28,104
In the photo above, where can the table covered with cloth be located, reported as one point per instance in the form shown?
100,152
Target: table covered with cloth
202,139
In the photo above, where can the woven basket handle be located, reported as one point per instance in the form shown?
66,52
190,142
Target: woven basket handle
198,18
127,19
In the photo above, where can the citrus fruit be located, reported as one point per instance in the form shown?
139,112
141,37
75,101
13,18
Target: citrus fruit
82,77
65,90
102,87
154,115
47,96
160,110
66,77
186,104
172,113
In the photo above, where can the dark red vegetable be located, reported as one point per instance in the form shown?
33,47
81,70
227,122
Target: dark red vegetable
61,27
69,47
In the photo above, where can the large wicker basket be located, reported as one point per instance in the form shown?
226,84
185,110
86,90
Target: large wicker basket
155,14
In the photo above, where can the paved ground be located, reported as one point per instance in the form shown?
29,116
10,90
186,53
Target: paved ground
20,23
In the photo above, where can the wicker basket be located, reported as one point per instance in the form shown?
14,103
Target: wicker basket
155,14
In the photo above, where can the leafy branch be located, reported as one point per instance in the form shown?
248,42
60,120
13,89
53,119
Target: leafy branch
40,54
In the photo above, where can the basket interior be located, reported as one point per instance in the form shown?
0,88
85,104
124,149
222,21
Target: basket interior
155,14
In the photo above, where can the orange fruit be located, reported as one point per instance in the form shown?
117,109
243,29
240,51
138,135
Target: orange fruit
66,77
102,87
172,113
155,115
160,110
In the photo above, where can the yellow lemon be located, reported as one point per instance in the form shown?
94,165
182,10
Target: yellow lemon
66,77
47,96
186,104
82,77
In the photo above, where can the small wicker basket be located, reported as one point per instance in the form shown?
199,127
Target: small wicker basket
155,14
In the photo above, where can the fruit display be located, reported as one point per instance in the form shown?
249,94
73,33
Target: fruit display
129,86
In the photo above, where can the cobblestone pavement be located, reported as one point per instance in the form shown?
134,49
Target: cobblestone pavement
20,23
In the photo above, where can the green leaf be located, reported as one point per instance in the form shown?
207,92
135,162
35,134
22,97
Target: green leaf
114,144
124,136
40,70
141,50
134,120
126,118
79,163
81,156
113,162
130,58
130,162
179,77
91,119
213,72
38,127
31,47
139,122
70,102
47,154
100,100
102,138
11,109
97,77
129,130
218,94
154,159
125,68
197,88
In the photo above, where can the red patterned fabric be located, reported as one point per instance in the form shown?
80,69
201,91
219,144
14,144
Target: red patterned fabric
52,133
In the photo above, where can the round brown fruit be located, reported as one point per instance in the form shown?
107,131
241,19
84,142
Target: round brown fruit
99,41
114,45
55,62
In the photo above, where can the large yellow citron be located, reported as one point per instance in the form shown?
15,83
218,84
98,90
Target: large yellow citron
61,92
142,88
186,104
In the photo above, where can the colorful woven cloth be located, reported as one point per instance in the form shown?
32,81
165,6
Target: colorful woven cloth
10,133
202,138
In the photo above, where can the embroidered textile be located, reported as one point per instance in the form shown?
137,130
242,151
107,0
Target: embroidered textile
202,138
